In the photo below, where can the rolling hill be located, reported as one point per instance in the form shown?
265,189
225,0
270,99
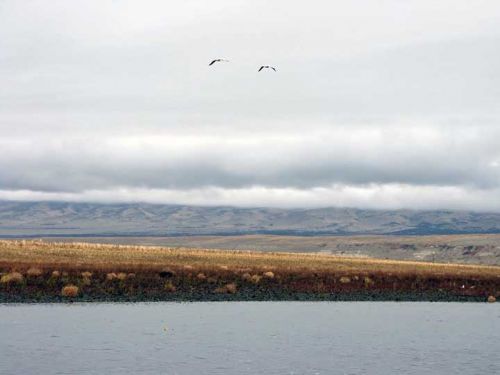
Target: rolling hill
31,219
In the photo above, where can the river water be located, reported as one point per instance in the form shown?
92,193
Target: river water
251,338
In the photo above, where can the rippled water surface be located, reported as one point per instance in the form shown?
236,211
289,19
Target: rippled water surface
251,338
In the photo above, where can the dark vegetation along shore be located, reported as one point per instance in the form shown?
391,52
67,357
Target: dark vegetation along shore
37,271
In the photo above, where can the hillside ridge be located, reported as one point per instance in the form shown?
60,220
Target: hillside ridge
142,219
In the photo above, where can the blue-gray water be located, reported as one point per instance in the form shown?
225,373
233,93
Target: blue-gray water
251,338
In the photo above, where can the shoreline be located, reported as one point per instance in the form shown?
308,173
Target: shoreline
37,271
396,297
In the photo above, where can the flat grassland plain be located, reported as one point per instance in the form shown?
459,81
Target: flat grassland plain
39,271
462,248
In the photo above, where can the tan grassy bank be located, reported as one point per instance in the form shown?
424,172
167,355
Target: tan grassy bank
42,271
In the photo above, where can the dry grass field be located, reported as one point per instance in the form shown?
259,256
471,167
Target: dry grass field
35,269
463,248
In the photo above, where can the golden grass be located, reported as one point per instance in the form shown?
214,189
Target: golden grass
492,299
17,254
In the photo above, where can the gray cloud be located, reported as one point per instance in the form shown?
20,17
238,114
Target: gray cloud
399,100
411,154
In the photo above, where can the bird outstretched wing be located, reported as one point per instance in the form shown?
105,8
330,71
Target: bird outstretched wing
273,68
213,62
262,67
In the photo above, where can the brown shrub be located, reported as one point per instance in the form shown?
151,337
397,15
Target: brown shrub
69,290
111,276
188,267
130,275
255,279
212,280
121,276
169,287
320,287
12,278
56,274
368,281
269,275
492,299
227,289
246,277
87,274
201,276
231,288
34,272
345,280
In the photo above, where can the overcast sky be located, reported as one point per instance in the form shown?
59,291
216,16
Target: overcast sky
375,104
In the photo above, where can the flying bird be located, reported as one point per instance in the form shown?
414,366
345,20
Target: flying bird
267,67
218,60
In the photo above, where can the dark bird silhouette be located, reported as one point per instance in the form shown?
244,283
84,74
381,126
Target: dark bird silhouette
218,60
267,67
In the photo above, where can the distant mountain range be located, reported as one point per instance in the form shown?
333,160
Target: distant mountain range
140,219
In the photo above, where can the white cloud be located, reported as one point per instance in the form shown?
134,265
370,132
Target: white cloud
374,196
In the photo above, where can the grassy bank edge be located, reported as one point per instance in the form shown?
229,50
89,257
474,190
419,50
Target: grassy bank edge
36,271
